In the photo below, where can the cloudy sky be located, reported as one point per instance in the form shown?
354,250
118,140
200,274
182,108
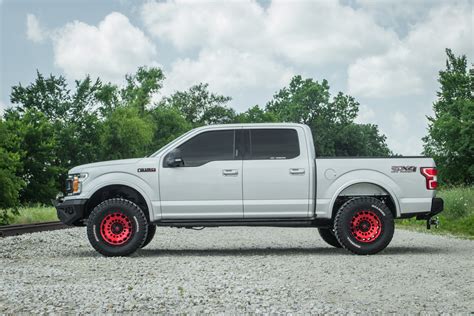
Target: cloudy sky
386,53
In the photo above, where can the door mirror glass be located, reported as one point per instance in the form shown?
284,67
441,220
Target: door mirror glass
174,158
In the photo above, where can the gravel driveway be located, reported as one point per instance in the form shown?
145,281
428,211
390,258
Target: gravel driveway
236,270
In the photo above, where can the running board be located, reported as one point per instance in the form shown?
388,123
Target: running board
283,222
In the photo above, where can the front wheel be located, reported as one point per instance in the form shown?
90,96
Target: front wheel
117,227
150,235
364,225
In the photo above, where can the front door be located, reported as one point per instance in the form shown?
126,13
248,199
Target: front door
209,184
276,173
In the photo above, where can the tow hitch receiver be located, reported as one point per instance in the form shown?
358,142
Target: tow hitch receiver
432,221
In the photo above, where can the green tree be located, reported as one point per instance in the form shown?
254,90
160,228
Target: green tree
36,147
360,140
126,134
10,167
331,119
73,122
201,107
141,86
450,138
256,115
168,124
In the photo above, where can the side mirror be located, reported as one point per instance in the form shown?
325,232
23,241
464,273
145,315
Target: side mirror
174,159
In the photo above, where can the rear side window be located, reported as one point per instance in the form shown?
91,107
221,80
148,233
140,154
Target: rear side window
274,144
208,146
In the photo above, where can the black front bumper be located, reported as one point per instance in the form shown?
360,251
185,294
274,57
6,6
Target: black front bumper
71,212
437,207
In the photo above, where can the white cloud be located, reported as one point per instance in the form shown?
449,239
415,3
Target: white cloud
194,24
399,14
228,71
399,121
410,66
408,146
110,50
319,32
366,115
242,46
34,32
304,32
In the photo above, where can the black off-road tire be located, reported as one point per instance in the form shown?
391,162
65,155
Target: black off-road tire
105,221
364,225
327,234
151,234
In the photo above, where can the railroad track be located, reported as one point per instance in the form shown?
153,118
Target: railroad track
14,230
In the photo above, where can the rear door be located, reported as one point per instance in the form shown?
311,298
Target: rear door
276,169
209,185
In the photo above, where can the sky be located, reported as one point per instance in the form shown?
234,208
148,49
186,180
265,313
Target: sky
385,53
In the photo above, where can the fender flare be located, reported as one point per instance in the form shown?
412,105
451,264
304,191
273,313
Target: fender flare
384,186
115,178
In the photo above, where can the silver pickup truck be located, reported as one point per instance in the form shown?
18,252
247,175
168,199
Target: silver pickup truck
248,175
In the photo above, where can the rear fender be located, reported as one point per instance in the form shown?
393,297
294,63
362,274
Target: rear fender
364,182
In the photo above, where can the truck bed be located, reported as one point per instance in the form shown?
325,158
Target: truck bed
398,177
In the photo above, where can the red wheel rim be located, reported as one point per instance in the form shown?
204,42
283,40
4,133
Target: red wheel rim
116,228
366,226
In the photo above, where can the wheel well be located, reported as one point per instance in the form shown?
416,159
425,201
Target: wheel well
366,190
386,199
117,191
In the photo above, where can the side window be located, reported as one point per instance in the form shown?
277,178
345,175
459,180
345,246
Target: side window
208,146
274,144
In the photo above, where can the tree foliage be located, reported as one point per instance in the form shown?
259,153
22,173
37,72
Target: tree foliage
125,134
331,119
10,168
200,106
450,138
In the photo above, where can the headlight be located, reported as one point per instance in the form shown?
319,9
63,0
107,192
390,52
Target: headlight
74,183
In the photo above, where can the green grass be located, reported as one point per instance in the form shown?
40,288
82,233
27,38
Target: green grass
35,214
457,217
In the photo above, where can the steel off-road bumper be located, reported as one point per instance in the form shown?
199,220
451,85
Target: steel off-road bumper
431,219
70,212
436,207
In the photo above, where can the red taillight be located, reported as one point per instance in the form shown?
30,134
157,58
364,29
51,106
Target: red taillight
431,177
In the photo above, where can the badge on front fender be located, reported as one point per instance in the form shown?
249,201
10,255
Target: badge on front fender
146,170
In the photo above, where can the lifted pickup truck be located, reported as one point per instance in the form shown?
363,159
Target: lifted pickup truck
248,175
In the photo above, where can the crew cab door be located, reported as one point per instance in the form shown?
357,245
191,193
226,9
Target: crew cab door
209,184
276,173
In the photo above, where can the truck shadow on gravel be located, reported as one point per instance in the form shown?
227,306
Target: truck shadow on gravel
323,251
282,252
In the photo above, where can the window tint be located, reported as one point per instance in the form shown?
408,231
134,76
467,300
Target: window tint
274,144
208,146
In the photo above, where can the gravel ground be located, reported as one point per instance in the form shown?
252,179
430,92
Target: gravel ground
236,270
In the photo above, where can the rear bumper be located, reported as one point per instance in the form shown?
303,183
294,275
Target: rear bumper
70,212
437,207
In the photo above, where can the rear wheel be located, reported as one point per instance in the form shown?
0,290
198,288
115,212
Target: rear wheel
151,234
327,234
364,225
117,227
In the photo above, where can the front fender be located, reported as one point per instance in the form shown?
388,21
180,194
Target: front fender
126,179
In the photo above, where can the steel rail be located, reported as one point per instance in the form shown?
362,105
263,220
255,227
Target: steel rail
15,230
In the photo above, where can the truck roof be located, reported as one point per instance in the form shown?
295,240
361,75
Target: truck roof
252,125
